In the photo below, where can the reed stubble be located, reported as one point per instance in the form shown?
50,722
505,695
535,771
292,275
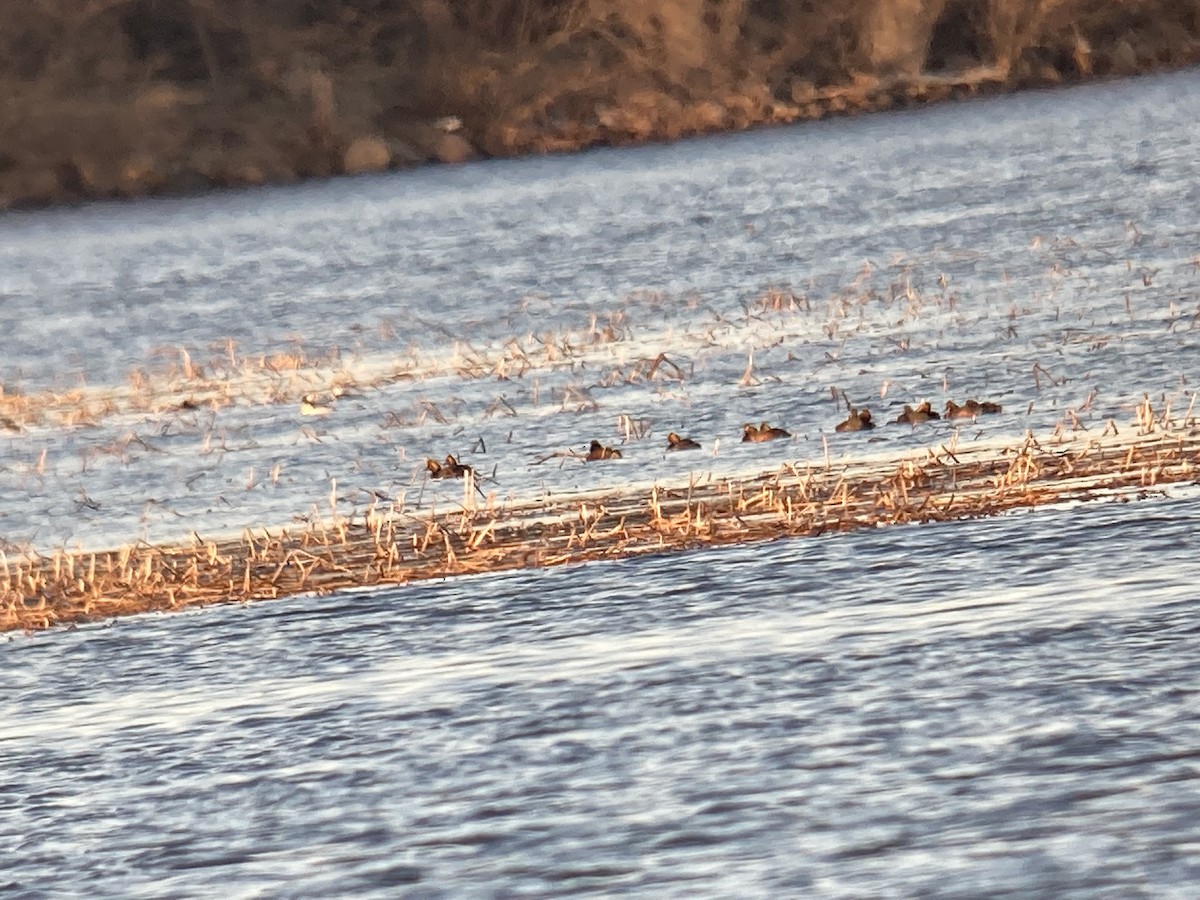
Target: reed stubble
387,546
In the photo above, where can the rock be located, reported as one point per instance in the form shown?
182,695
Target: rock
783,112
937,92
708,115
139,175
428,143
250,174
1047,74
404,155
366,154
1124,60
803,91
452,148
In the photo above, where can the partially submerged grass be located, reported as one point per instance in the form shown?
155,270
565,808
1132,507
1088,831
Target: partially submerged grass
387,545
645,361
607,347
287,377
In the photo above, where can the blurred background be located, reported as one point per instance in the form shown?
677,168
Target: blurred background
131,97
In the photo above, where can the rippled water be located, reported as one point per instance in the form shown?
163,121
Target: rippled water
938,254
983,708
840,716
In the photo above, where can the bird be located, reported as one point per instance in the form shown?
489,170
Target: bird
954,411
764,432
922,413
596,450
970,409
311,406
675,442
858,420
451,468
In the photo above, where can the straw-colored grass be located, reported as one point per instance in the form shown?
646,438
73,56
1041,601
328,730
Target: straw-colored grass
386,545
183,385
196,385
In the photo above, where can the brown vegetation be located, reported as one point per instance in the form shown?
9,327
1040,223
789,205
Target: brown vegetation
391,546
125,97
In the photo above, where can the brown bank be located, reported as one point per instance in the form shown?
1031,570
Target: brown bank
136,97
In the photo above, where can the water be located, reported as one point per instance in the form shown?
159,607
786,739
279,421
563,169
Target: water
987,707
1036,251
842,717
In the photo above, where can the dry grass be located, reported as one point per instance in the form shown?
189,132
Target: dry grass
387,545
181,384
183,381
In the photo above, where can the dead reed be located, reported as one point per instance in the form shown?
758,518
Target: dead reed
182,385
391,546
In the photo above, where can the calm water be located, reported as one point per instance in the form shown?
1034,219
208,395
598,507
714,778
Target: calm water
993,707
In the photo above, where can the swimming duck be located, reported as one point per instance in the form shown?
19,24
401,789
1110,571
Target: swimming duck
970,409
451,468
310,405
596,450
923,413
763,432
675,442
858,420
954,411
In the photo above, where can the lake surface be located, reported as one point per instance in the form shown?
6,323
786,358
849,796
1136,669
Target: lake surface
845,716
1000,707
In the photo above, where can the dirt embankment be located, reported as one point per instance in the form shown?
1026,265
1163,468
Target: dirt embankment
133,97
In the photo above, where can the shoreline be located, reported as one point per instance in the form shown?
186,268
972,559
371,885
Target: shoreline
132,99
390,547
80,180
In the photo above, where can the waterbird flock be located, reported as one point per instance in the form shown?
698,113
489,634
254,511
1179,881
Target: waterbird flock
857,420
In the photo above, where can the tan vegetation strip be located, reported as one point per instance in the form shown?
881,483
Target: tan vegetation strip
41,591
189,386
